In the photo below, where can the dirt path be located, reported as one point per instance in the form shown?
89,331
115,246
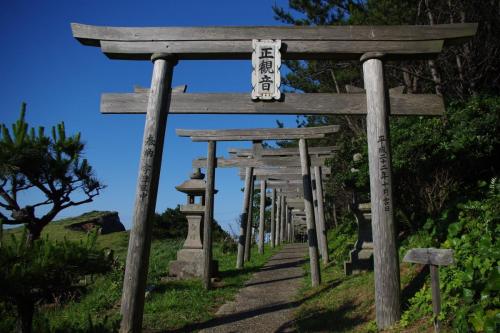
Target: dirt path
266,302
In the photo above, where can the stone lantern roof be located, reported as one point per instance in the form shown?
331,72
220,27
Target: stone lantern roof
195,186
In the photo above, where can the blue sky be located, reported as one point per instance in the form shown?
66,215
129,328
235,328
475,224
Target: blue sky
61,80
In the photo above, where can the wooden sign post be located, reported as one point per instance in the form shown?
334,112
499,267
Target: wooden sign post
434,258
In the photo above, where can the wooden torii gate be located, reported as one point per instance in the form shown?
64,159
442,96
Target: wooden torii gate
371,44
257,136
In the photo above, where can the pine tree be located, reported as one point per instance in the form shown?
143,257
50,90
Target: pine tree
31,160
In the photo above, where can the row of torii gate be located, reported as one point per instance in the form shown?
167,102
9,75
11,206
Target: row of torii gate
373,45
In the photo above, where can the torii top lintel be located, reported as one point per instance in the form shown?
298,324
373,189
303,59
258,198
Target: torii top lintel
298,42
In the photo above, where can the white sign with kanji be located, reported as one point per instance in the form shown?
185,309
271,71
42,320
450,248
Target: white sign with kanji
266,62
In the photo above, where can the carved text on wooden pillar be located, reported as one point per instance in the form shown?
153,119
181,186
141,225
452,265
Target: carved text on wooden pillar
147,166
384,171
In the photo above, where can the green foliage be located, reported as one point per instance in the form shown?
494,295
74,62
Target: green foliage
172,223
470,287
47,272
341,239
53,165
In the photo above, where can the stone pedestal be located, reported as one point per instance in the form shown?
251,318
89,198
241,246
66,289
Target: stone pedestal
361,257
189,263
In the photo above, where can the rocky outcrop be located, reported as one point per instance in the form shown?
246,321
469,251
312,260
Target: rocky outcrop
105,222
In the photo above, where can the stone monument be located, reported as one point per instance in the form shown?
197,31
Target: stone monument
189,263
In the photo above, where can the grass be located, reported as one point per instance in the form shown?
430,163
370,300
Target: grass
170,304
347,303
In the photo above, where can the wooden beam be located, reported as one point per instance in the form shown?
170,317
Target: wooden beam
258,134
299,42
291,103
294,151
263,162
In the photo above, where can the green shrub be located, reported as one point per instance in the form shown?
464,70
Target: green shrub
47,272
470,287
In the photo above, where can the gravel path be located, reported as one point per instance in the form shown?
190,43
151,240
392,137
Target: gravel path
266,302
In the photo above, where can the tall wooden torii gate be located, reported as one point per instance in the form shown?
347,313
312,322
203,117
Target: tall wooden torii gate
371,44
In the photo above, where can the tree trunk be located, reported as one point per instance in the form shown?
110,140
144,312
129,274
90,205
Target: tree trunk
33,232
25,311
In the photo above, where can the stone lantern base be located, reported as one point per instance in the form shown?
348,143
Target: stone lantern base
189,264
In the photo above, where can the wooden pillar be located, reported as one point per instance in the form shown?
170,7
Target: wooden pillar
273,217
287,222
316,215
436,296
136,269
244,217
262,211
321,214
309,209
386,262
209,214
249,234
278,214
282,219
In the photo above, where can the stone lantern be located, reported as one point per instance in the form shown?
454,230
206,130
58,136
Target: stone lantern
361,257
189,261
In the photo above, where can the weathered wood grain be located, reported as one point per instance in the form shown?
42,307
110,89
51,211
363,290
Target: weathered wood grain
136,268
248,238
309,209
386,262
341,42
243,218
262,162
209,214
430,256
278,214
262,211
258,134
321,213
273,218
92,35
241,152
291,103
232,50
